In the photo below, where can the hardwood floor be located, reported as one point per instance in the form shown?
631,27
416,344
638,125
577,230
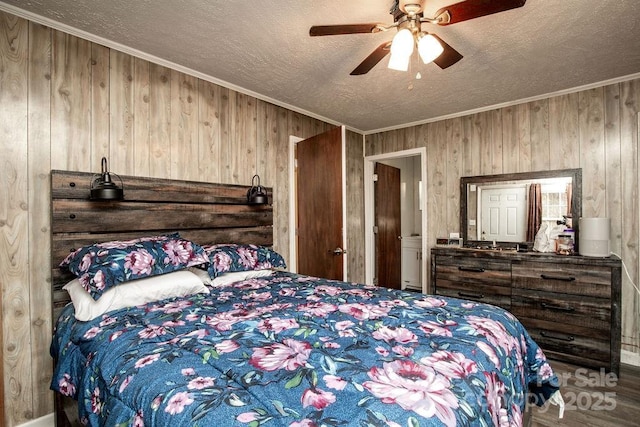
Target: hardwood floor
593,398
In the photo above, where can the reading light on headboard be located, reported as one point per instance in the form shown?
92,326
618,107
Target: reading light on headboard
102,186
256,194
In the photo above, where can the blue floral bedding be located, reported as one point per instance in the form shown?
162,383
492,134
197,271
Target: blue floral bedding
298,351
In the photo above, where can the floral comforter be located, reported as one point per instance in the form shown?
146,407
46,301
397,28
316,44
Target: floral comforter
297,351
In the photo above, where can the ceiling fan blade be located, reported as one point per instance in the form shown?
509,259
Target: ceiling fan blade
447,58
472,9
332,30
371,60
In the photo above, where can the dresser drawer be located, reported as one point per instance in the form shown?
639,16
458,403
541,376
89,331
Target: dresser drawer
494,295
477,279
571,343
567,309
580,279
473,270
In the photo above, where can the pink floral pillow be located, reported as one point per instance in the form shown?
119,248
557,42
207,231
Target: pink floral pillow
102,266
227,258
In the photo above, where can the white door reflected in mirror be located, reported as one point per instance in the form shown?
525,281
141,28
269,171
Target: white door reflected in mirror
503,214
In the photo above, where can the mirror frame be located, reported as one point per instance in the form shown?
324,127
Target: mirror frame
576,197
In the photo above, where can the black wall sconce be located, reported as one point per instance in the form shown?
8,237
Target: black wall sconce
103,187
256,194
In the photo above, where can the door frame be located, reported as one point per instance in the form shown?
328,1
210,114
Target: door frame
369,210
293,203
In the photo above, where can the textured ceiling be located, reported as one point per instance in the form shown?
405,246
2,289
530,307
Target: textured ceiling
263,48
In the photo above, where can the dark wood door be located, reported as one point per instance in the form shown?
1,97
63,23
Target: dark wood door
387,219
319,205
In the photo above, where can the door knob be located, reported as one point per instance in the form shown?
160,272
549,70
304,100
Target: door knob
337,251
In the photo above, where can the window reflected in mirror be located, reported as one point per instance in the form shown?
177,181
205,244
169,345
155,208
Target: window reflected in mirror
556,199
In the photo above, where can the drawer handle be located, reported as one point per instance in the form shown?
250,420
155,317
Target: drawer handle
466,295
563,278
472,269
557,307
556,337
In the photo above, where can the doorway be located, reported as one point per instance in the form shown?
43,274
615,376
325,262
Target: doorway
414,213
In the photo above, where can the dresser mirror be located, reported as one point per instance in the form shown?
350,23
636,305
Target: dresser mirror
511,208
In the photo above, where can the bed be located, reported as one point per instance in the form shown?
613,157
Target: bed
262,346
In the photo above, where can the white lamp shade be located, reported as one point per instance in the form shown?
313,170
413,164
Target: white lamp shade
429,48
402,43
398,62
401,50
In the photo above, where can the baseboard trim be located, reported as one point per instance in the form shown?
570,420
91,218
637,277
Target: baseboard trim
46,421
630,358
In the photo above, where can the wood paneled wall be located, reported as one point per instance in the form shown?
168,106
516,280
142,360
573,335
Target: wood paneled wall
596,130
64,104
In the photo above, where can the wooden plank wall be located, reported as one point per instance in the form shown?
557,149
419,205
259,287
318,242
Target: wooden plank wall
596,130
66,103
355,207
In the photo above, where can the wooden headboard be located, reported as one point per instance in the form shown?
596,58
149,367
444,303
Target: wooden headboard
203,212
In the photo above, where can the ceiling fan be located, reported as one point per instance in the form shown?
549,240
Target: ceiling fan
408,18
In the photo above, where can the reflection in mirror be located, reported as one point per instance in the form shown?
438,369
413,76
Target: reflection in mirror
513,207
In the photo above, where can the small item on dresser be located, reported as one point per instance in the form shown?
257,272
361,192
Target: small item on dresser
455,239
542,242
572,234
455,242
564,244
594,237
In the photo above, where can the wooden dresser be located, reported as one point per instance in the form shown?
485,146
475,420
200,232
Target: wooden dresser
569,304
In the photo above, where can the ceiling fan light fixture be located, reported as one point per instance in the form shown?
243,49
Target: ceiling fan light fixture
402,44
429,48
410,15
401,50
399,63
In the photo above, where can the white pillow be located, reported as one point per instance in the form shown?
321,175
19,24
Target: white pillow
136,292
202,274
238,276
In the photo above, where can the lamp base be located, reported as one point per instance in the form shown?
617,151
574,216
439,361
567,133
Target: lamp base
106,194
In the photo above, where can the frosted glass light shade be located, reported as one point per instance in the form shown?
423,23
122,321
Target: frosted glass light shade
401,50
402,43
400,63
429,48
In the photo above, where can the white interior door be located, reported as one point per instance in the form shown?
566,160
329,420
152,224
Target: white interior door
504,214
